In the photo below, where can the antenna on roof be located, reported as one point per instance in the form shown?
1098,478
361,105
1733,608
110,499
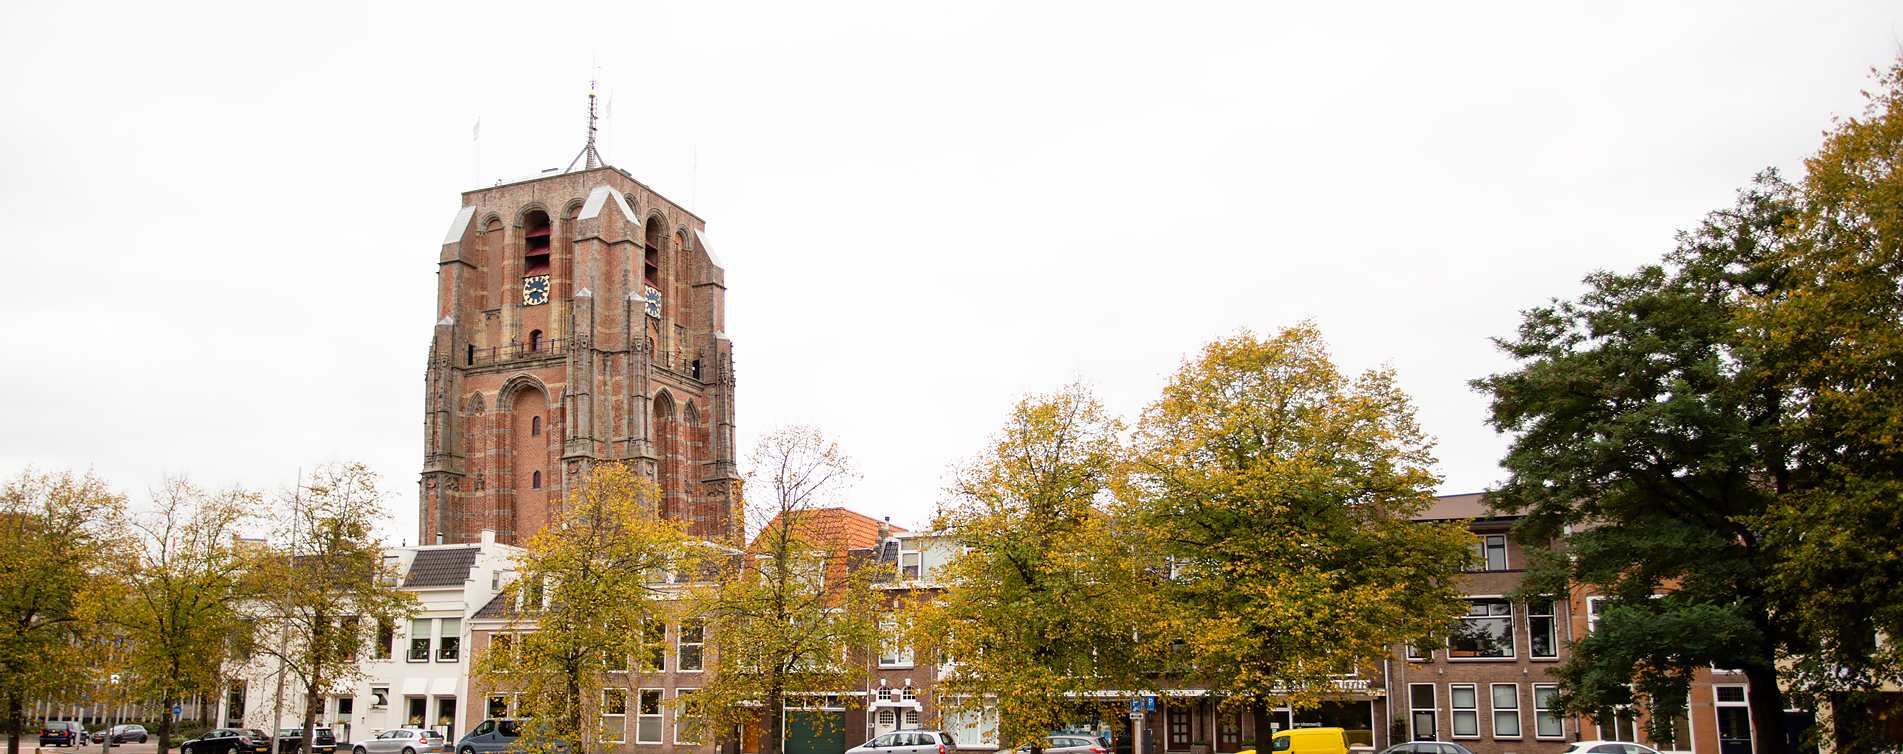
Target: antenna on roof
588,150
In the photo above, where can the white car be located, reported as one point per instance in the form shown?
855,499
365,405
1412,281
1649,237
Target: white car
1609,747
908,742
403,741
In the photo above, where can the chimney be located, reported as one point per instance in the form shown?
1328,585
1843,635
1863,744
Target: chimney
488,537
439,536
885,529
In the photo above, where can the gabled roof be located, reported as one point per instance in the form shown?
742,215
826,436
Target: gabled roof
448,566
1471,505
836,529
499,607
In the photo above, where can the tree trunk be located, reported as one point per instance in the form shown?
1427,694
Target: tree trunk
312,703
1259,718
165,724
774,737
1767,710
14,722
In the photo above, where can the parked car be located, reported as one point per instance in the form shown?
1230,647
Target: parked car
120,734
62,733
1066,743
228,741
403,741
292,740
908,742
491,737
1310,741
1609,747
1427,747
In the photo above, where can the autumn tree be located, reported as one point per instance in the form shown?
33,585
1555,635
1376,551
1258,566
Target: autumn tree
1836,333
589,587
1048,606
790,615
53,527
178,593
323,587
1280,492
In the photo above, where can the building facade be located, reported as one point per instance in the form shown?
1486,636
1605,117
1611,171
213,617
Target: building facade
579,320
415,673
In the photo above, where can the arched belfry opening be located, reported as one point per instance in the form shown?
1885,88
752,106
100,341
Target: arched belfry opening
654,241
535,243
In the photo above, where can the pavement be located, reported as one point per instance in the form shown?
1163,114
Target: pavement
151,746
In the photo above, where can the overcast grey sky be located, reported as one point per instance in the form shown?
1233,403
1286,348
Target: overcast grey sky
223,219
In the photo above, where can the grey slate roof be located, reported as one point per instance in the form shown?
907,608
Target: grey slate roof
499,607
441,567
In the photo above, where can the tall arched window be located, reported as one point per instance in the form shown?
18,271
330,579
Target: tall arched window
535,428
535,481
535,340
535,238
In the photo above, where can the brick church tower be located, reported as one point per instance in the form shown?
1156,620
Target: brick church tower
579,321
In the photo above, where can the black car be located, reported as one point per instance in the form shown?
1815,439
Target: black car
228,741
62,733
291,740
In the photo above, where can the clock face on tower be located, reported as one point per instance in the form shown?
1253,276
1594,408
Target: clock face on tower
535,290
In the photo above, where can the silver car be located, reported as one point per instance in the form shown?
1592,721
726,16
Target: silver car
1066,743
403,741
908,742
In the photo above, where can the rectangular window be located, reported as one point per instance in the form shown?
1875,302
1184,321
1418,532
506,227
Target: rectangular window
1734,719
654,640
647,725
1489,553
420,630
614,714
1420,651
687,722
892,651
450,646
687,657
1485,633
911,719
1542,630
1594,607
1179,726
379,697
1464,702
1421,711
1506,710
1546,723
386,638
909,563
1680,738
496,706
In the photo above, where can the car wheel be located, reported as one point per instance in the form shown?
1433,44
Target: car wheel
408,750
467,750
358,750
186,749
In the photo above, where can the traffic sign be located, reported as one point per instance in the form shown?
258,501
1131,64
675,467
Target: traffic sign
177,710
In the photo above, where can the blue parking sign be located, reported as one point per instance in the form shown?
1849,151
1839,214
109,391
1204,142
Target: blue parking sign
177,710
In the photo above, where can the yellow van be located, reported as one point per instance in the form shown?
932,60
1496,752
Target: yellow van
1311,741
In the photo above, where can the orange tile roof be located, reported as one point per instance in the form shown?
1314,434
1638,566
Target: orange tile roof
838,529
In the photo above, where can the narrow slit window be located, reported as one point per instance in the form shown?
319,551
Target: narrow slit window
535,481
535,426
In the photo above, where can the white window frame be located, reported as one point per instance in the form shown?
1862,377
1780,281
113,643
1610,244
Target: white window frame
1592,612
908,694
649,650
1513,642
918,563
1540,710
621,715
1481,549
640,716
1749,719
1434,693
1494,712
680,706
893,652
908,720
1552,616
1454,711
680,642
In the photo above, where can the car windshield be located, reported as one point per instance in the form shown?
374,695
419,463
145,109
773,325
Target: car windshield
290,732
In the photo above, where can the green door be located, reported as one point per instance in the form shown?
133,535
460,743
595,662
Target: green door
815,732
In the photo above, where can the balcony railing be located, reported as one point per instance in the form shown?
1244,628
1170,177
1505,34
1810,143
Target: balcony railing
475,356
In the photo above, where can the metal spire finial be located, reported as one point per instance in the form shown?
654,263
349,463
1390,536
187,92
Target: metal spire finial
593,158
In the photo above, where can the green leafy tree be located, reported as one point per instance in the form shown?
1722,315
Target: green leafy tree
589,585
53,527
790,615
1280,492
323,588
1649,438
1835,333
178,595
1050,604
